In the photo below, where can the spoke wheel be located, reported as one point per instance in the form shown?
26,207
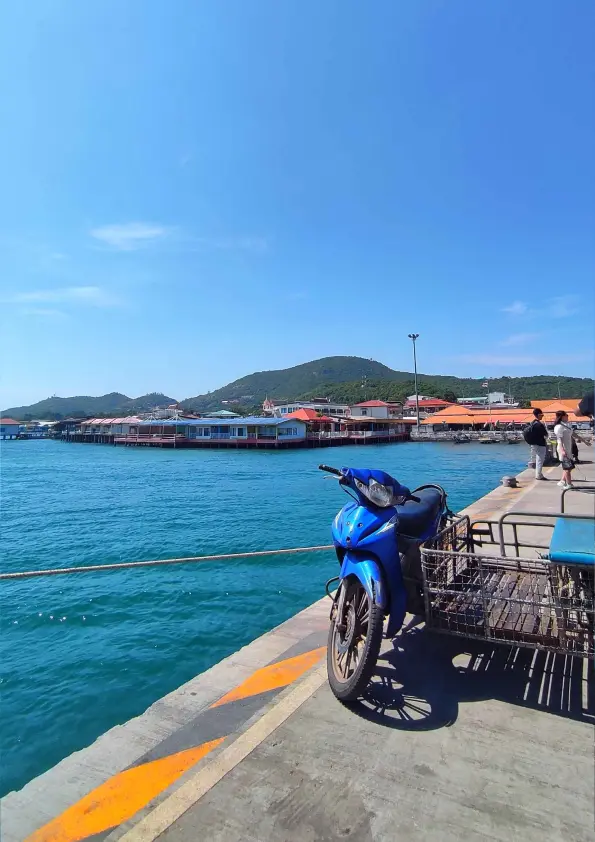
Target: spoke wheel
354,643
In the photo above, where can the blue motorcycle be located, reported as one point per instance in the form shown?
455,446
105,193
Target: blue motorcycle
377,539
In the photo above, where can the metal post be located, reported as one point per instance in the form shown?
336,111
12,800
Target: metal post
413,337
487,384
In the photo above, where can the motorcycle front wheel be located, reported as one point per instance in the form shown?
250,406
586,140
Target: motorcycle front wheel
353,642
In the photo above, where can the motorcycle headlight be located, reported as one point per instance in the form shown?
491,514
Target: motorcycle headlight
378,494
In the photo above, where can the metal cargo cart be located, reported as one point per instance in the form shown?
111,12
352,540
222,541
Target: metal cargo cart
526,579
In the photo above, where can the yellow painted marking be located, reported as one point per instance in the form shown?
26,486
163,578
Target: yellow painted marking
123,795
274,676
119,798
152,826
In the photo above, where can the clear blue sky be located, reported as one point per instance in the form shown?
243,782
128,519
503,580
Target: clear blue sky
192,191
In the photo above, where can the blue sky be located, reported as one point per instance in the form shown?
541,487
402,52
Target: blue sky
193,191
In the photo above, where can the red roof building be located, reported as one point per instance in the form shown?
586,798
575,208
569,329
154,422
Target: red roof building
377,409
309,415
9,428
377,403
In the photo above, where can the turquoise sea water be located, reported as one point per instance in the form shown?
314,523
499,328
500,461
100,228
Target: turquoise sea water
83,653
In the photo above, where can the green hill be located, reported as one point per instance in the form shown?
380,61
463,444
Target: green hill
114,404
523,389
344,379
352,379
291,383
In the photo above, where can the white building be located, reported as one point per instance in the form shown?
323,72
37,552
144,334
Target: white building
278,409
492,397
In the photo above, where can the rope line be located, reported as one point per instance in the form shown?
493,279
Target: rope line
58,571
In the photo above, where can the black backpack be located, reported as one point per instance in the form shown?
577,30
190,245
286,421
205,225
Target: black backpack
529,433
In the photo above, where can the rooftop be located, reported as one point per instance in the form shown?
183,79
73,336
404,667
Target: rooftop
209,422
6,421
554,404
131,419
306,414
429,402
458,414
378,403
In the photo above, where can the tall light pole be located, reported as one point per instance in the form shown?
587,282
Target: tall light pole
486,385
413,337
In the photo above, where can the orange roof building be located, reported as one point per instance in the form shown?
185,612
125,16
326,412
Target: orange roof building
309,415
467,417
554,404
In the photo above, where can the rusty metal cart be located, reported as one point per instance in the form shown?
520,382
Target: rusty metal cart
526,579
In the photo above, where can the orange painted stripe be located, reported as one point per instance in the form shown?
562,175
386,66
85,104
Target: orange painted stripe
123,795
275,675
119,798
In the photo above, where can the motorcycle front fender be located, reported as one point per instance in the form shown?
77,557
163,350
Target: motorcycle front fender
367,571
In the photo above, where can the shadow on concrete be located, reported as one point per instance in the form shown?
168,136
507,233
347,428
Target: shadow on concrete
419,682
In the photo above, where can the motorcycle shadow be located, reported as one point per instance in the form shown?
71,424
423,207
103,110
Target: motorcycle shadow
421,677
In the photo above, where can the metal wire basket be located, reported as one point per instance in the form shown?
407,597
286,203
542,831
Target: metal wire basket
473,590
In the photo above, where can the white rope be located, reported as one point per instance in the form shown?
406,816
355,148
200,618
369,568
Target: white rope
29,574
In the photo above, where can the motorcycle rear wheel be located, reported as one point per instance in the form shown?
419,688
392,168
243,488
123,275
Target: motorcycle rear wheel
353,650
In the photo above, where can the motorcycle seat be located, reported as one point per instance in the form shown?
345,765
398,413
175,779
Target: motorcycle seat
414,518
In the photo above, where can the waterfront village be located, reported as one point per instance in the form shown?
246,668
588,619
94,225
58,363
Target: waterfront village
319,422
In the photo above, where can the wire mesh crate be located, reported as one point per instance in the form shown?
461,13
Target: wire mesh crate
472,589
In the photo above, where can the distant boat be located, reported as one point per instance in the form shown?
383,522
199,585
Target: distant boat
487,440
461,439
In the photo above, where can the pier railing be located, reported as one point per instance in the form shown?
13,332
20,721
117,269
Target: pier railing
471,435
136,439
358,434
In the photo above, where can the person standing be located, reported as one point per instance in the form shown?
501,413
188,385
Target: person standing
536,435
564,436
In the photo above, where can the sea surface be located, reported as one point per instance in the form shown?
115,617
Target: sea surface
82,653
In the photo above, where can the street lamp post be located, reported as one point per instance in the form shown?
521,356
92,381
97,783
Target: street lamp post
486,385
413,337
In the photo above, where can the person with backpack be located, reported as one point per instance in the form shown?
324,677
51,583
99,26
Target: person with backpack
536,435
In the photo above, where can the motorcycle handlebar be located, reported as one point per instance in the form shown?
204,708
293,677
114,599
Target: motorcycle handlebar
330,470
338,473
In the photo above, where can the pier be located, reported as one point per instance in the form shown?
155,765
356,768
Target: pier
241,433
460,740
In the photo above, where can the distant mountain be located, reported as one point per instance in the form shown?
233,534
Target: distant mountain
290,383
345,379
114,404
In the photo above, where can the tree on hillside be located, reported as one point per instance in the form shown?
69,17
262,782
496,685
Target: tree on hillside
449,396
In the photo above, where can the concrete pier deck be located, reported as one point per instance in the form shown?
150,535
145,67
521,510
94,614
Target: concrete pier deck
458,740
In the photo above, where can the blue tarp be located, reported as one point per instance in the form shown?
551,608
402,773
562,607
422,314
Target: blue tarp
573,541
